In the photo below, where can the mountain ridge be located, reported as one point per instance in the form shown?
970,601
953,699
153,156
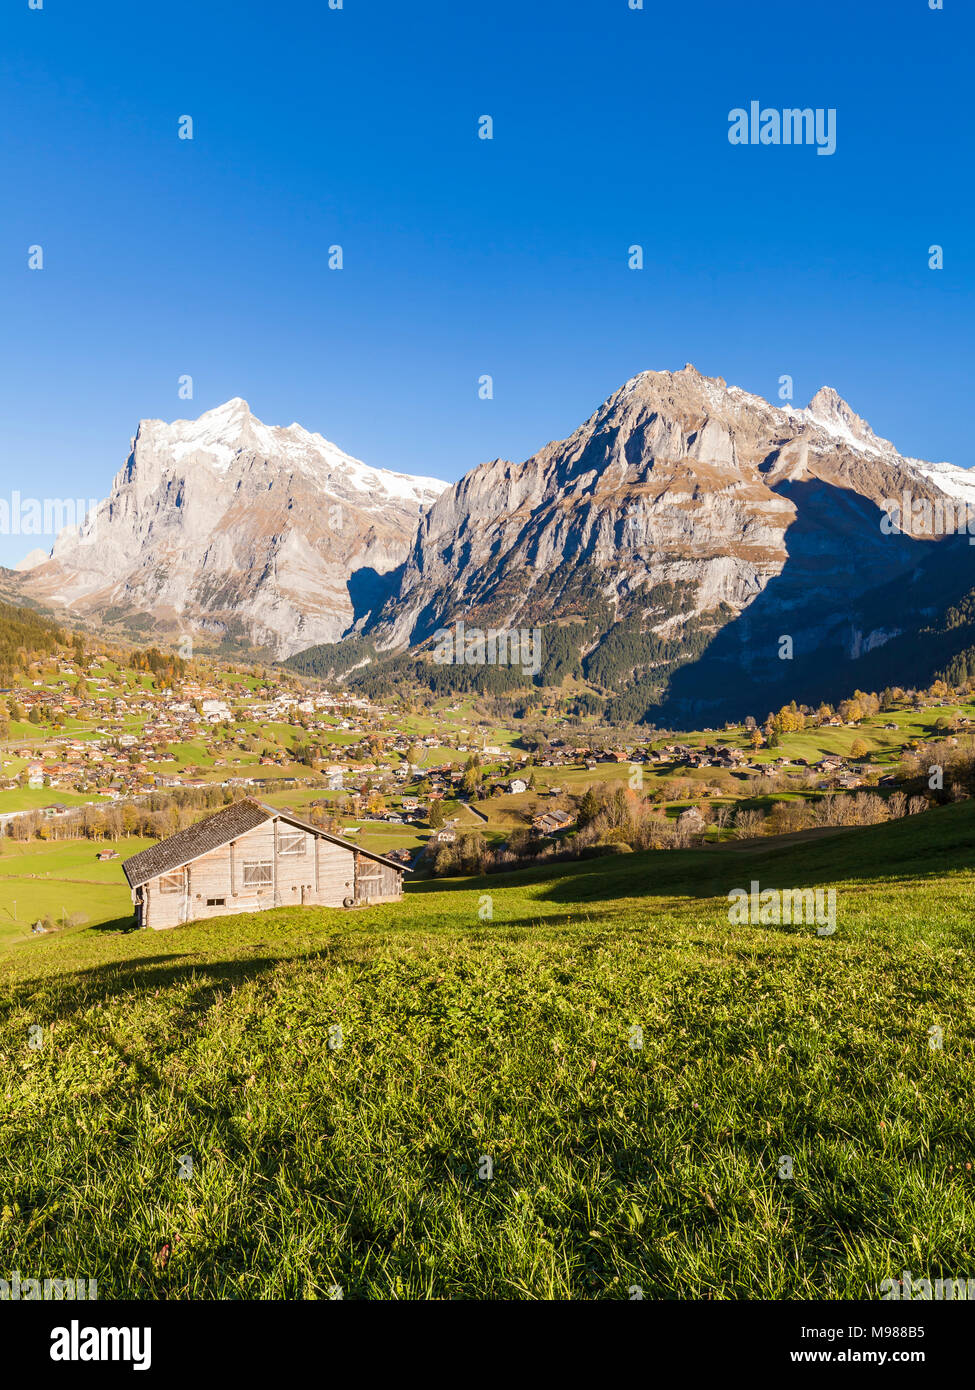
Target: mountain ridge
230,528
685,526
669,468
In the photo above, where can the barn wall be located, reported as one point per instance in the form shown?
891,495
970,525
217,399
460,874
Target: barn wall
161,909
375,882
322,874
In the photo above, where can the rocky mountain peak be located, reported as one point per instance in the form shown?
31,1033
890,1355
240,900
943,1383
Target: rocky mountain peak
677,502
679,484
269,535
829,410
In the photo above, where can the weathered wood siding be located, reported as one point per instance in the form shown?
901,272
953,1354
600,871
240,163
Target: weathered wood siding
302,869
376,883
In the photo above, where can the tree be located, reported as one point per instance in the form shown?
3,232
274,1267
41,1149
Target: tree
589,807
859,749
748,824
471,852
445,861
436,815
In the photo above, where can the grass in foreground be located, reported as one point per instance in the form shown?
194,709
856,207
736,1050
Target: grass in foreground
358,1165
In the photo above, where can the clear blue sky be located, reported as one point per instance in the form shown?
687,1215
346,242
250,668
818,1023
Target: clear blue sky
359,126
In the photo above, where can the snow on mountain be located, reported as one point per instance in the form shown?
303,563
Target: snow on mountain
266,536
958,483
678,502
222,434
678,485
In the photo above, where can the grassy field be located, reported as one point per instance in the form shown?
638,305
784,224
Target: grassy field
62,880
36,798
511,1039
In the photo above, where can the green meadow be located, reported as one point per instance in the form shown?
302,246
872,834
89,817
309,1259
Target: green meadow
554,1084
62,880
36,798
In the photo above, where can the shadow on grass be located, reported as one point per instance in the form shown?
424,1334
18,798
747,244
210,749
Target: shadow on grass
119,926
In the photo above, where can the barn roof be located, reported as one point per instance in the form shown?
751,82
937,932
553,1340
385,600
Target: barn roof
219,829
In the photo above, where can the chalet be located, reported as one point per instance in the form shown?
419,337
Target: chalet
552,821
248,858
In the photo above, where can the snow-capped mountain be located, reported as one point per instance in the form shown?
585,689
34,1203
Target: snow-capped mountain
269,536
667,547
687,517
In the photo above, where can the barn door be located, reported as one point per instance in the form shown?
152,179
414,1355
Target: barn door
368,879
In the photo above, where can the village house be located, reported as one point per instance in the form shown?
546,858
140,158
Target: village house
249,858
552,821
691,820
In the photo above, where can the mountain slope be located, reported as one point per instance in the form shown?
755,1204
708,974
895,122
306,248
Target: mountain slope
269,536
679,506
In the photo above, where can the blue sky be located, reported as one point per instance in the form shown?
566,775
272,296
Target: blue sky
462,256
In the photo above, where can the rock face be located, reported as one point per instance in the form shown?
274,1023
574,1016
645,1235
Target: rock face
680,506
675,477
270,537
666,548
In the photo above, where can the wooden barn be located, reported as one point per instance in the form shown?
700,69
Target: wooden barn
249,857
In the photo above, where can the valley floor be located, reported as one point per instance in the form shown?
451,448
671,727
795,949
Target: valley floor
557,1084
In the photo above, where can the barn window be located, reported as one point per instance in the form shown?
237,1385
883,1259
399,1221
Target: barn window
291,842
258,873
172,883
216,902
